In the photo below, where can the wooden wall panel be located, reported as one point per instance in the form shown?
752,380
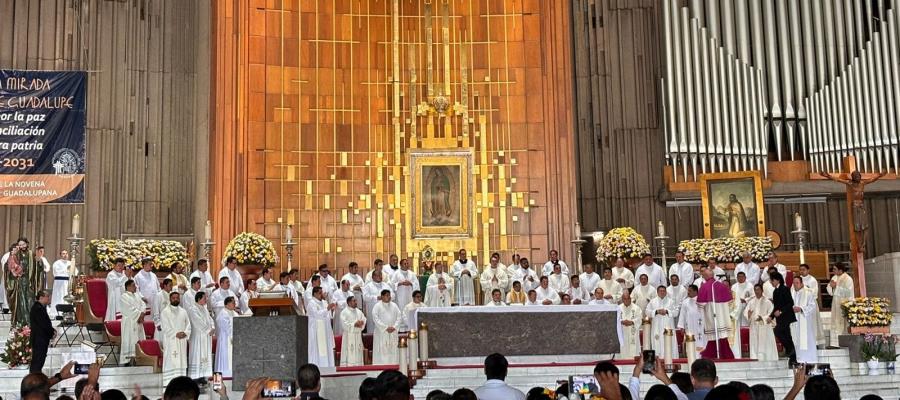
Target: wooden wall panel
620,153
146,105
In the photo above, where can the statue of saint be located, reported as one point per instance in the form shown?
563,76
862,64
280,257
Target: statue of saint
856,186
24,276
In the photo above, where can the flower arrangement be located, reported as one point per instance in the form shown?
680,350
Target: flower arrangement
103,252
251,248
878,348
726,249
18,347
622,242
867,311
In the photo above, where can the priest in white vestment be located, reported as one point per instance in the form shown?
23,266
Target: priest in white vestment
243,299
741,292
768,289
283,285
612,290
162,300
493,277
387,321
773,263
328,283
690,319
372,296
554,261
203,328
353,321
683,269
61,279
516,296
405,283
339,298
749,268
589,279
841,288
230,271
526,275
406,313
804,330
180,282
207,283
464,272
578,293
532,298
393,265
655,274
496,299
133,310
148,286
623,275
545,294
224,342
811,283
712,264
115,286
643,293
677,292
356,281
320,345
175,336
558,281
439,292
265,283
632,317
661,312
297,285
762,338
217,298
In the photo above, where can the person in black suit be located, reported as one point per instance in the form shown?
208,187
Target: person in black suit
783,314
41,331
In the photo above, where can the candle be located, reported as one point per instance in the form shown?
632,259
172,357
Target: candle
288,234
660,228
404,363
798,222
423,341
76,225
207,232
413,351
690,349
667,346
645,334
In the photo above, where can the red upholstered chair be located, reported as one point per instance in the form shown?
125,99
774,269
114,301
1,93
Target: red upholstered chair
337,348
149,329
745,340
95,301
368,340
113,330
679,341
148,353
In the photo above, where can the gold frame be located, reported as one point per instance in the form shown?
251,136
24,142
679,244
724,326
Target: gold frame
450,158
707,179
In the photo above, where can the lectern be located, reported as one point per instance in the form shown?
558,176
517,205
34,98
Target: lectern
265,306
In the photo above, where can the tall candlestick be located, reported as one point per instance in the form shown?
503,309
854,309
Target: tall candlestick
207,231
76,225
645,334
798,222
667,347
423,341
288,234
661,228
404,362
413,344
690,349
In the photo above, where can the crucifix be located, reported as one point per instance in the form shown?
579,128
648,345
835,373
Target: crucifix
857,215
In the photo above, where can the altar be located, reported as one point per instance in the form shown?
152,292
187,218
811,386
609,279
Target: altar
521,330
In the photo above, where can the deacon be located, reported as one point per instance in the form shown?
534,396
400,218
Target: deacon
405,283
496,299
690,319
643,293
578,294
179,281
206,280
439,290
660,311
749,268
148,286
554,261
465,272
339,298
61,278
353,322
217,299
598,297
612,290
655,274
545,294
133,311
224,330
841,288
321,338
683,269
265,283
516,296
622,274
493,277
387,319
713,298
410,308
175,336
234,276
632,315
203,328
354,279
803,331
372,296
677,292
115,286
589,279
762,339
526,275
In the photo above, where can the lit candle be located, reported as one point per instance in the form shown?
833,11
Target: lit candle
288,233
645,334
661,228
207,232
404,362
798,222
413,351
423,341
76,225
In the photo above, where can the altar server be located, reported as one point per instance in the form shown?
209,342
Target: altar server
545,294
133,311
115,286
713,298
407,311
632,316
655,274
803,331
148,286
683,269
493,277
749,268
405,283
207,283
203,328
224,331
439,291
660,311
623,275
841,287
353,322
387,320
589,279
762,339
230,271
175,336
464,272
61,279
180,282
612,290
321,338
643,293
339,299
265,283
578,293
558,281
372,296
690,319
554,261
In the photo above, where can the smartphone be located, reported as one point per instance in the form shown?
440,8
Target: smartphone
217,381
277,388
81,369
583,384
818,369
649,361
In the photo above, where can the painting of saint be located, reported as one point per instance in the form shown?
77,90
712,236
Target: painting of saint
734,208
441,195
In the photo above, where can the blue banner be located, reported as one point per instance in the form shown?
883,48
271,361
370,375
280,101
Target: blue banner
42,146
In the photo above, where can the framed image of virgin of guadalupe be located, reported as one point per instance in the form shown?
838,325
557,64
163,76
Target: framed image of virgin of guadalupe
441,194
732,205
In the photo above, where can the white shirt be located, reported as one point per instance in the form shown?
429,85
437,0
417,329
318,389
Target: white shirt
495,389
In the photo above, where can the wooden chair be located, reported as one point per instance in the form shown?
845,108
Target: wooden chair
148,353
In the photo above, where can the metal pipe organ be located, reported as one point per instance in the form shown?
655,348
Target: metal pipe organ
747,81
